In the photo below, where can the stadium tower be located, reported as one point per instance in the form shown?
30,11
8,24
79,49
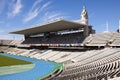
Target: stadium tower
84,16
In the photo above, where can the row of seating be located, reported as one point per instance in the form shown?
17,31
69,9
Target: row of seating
82,65
104,68
10,42
103,39
56,39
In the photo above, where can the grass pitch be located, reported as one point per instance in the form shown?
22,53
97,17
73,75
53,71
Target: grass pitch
8,61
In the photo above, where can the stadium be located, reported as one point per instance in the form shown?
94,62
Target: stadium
61,50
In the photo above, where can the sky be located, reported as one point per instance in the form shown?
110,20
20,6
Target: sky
20,14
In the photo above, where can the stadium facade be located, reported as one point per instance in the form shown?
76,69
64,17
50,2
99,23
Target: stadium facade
97,56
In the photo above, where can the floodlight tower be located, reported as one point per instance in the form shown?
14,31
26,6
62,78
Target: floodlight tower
107,29
119,27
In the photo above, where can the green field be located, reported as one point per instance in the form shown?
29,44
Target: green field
8,61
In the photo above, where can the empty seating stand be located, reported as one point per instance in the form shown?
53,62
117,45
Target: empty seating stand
104,67
103,39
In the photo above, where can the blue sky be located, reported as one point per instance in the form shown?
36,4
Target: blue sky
19,14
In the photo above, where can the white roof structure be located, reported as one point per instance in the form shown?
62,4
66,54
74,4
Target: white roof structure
53,26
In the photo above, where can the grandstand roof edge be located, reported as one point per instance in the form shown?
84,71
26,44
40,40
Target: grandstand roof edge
41,28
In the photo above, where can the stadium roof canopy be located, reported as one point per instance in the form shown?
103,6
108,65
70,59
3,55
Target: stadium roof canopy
53,26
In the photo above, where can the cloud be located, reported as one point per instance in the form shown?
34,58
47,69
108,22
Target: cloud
35,10
52,15
37,2
31,15
91,15
14,8
45,6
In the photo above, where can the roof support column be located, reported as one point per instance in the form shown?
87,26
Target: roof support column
86,31
26,36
